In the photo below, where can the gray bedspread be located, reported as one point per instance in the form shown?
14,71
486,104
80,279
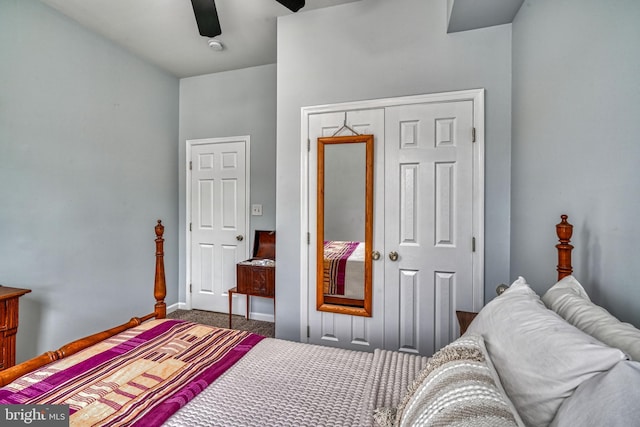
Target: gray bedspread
283,383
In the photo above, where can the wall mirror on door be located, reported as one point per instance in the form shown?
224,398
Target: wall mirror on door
345,224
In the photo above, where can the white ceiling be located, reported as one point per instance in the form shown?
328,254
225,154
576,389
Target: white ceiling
165,32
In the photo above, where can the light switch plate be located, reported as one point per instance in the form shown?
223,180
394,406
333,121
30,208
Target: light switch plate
256,210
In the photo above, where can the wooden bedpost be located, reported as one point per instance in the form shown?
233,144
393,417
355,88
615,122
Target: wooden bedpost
160,285
564,230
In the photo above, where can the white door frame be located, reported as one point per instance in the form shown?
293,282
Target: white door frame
474,95
246,139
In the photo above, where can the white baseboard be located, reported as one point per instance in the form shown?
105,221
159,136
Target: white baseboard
177,306
262,317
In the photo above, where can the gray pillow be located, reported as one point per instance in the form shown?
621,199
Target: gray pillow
609,399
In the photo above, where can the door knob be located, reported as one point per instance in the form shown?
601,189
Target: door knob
239,237
393,256
375,255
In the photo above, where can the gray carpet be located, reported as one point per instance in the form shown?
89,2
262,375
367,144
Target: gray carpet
221,320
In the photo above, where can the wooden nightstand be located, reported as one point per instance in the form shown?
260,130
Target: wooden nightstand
464,319
9,324
256,276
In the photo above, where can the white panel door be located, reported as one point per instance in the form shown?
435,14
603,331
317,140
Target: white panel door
218,210
340,330
428,223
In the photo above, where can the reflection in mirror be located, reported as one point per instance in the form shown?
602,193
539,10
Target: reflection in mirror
345,224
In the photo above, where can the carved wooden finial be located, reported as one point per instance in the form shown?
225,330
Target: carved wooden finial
564,231
159,228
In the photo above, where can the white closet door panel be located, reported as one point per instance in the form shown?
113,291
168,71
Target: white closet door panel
428,222
445,327
409,297
444,225
409,203
328,328
360,331
339,330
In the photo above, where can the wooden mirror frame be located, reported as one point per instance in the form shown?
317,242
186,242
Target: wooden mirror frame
331,303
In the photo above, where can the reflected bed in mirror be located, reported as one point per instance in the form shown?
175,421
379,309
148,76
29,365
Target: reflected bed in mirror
344,272
345,224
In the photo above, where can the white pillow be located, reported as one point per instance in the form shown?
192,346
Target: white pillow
607,399
540,358
566,285
566,299
496,379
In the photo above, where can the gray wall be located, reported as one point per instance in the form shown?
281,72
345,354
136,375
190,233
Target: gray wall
232,103
376,49
576,150
87,164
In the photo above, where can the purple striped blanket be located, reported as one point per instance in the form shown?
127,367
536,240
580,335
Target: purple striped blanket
137,378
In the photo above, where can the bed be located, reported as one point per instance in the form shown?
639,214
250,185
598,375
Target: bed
524,360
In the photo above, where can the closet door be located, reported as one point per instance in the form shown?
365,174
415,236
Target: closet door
340,330
428,223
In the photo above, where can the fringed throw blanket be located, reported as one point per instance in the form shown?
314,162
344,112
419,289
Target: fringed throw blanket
139,377
336,254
